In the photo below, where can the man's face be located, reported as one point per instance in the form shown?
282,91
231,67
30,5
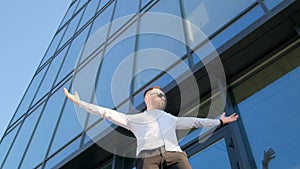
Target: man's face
157,99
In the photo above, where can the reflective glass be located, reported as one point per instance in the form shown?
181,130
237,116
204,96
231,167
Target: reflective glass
67,129
28,97
213,157
69,13
236,27
123,12
167,6
22,139
83,83
73,54
166,79
275,111
203,15
102,4
102,20
44,131
89,12
5,144
80,4
50,76
112,86
156,54
72,27
53,46
64,153
144,2
272,3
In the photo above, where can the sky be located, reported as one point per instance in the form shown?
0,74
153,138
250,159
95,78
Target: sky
27,28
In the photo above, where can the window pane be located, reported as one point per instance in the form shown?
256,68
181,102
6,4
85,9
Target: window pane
203,15
277,100
102,4
81,3
73,54
236,27
213,157
103,19
68,127
111,62
54,45
272,3
6,142
44,131
22,139
72,27
69,13
167,6
89,12
144,2
50,76
123,10
156,53
28,97
64,153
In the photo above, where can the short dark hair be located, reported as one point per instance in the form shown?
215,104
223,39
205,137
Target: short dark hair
151,88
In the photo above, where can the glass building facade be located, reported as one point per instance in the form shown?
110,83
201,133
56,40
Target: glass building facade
258,45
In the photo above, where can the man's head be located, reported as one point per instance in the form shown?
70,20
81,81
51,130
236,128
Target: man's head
155,98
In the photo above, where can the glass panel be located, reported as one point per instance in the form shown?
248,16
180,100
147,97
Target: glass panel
64,134
72,27
144,2
273,95
118,67
99,23
73,54
272,3
213,157
161,46
22,139
83,83
70,12
81,3
53,46
162,81
44,131
64,153
50,76
89,12
167,6
275,101
27,98
239,25
6,142
124,11
102,4
203,15
156,53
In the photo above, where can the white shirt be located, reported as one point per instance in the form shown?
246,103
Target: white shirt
152,129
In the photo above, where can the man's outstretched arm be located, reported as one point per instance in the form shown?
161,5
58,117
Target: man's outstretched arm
192,122
117,118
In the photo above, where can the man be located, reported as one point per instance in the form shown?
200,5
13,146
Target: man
154,129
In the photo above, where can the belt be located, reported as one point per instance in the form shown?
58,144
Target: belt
153,152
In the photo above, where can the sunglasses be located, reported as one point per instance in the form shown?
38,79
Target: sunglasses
160,95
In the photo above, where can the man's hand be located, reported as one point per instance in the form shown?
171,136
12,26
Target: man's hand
74,98
230,118
268,156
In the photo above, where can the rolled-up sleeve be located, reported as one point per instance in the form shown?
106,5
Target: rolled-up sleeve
114,116
192,122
